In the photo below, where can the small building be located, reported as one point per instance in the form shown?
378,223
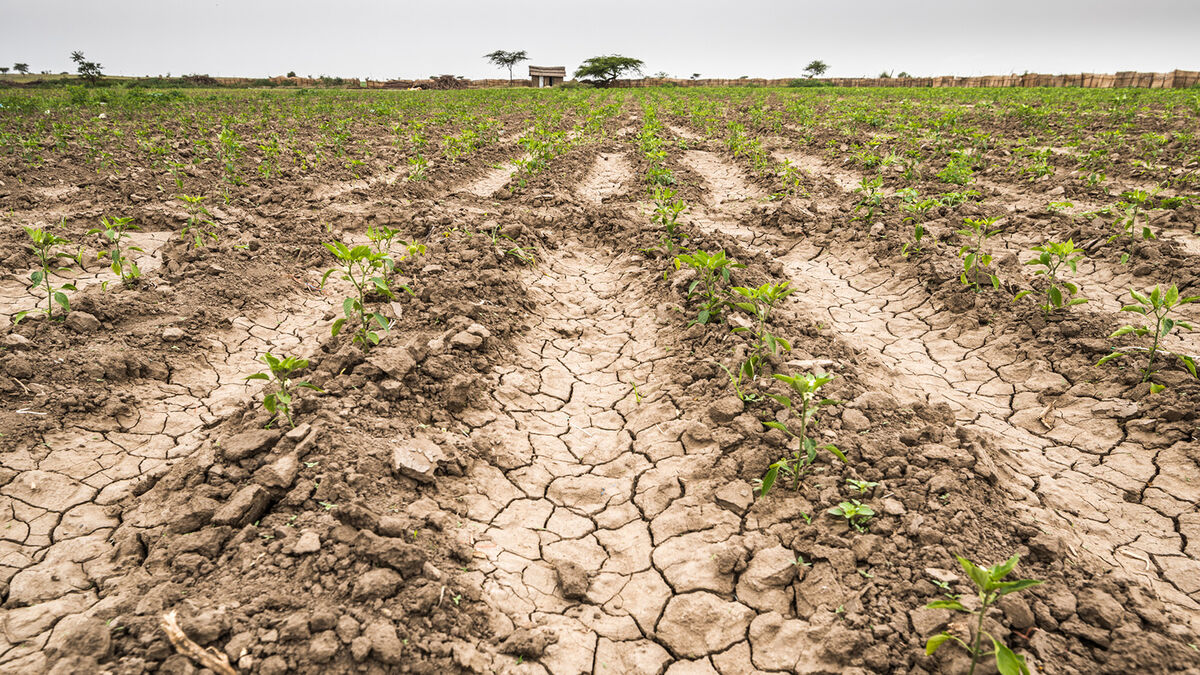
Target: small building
547,76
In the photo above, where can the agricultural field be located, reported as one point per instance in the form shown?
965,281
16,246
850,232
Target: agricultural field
600,381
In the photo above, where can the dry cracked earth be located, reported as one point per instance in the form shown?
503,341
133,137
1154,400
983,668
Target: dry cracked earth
601,534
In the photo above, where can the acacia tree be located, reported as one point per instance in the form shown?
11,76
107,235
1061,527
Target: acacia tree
22,68
816,68
88,70
606,69
503,59
3,70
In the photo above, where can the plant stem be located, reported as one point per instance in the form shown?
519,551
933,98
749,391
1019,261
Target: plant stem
1153,349
978,637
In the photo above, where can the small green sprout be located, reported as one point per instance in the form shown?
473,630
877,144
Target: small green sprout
855,512
988,581
281,369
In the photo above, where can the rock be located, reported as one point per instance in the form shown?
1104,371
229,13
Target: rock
944,576
78,635
244,507
737,496
239,645
465,340
1100,609
15,342
701,623
397,362
360,648
1087,632
273,665
207,542
207,626
417,459
479,330
309,542
322,619
944,482
1047,547
528,643
249,443
347,628
722,411
82,322
572,579
1061,601
1047,382
764,583
18,366
875,400
378,583
323,647
294,628
778,644
854,421
926,622
279,474
1018,612
408,559
892,507
172,334
385,644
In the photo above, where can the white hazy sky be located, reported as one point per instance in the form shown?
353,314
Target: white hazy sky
384,39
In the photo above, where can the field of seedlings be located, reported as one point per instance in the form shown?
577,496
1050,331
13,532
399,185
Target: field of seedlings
682,381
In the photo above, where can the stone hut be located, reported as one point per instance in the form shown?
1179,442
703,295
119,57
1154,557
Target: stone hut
546,76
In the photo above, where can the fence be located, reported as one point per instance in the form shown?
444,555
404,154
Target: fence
1176,79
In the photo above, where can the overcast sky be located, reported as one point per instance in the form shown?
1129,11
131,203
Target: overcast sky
385,39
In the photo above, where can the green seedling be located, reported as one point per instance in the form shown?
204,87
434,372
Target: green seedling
975,261
666,213
713,269
366,270
863,486
1157,307
194,231
871,198
920,209
417,164
989,582
43,242
1052,256
381,240
745,374
116,231
959,171
280,374
855,512
759,303
802,407
1133,202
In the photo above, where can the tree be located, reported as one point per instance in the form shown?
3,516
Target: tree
816,68
88,70
606,69
695,76
22,68
4,70
662,75
885,75
904,73
503,59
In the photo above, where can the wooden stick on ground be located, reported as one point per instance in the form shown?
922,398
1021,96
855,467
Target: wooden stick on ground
208,658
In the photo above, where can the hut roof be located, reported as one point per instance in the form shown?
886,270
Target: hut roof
548,71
